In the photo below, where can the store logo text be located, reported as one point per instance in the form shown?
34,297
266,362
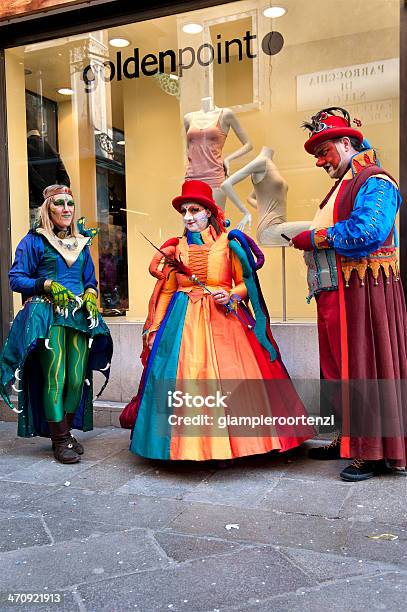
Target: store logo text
177,62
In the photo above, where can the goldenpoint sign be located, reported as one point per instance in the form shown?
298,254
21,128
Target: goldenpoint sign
177,62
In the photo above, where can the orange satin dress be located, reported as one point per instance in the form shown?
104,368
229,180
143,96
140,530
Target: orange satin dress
213,347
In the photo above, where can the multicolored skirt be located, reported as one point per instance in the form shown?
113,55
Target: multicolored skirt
209,390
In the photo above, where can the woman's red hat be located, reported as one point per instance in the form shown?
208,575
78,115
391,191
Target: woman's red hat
325,125
199,192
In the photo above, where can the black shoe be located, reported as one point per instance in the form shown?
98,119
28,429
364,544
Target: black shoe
328,452
359,470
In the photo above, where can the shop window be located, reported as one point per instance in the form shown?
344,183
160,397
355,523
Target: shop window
117,117
234,82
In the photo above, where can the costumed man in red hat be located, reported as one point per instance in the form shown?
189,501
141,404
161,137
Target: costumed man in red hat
200,336
350,253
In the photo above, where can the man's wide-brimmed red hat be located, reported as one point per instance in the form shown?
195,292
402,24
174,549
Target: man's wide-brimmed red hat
327,126
199,192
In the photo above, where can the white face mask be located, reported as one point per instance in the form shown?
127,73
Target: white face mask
195,217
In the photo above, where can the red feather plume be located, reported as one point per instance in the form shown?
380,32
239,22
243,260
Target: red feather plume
171,261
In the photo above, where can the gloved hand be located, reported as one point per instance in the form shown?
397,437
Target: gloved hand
303,241
89,301
60,296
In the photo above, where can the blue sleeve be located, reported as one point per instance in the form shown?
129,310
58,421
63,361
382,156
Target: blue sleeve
23,277
371,221
88,272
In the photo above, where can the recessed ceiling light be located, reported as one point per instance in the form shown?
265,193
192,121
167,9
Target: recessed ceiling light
192,28
121,143
66,91
274,11
119,42
174,76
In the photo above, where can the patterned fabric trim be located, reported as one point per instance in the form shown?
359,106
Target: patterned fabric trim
37,298
363,160
320,238
384,258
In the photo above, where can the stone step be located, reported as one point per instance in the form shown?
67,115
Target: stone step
105,414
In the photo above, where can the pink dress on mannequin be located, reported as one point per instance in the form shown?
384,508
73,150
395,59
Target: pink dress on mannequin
205,162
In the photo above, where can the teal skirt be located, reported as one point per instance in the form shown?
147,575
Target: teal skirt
20,368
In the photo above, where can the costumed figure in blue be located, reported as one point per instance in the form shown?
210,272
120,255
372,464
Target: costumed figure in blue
351,256
58,337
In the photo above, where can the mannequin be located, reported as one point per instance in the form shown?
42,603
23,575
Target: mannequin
207,130
45,167
269,195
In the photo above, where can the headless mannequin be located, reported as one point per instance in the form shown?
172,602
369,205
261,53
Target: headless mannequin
45,167
269,196
210,117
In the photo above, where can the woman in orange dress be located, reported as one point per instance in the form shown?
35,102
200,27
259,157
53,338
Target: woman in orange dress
213,385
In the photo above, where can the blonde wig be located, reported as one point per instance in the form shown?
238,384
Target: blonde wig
49,194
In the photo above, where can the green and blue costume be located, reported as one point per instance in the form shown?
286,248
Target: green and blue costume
51,356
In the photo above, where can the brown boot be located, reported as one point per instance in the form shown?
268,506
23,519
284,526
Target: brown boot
61,442
77,446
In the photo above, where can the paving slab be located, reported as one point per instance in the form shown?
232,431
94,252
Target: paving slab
380,498
161,482
326,567
104,444
15,460
318,498
387,592
263,526
272,532
63,528
207,584
359,544
36,448
22,532
105,507
236,486
312,469
48,471
15,496
81,561
110,474
185,548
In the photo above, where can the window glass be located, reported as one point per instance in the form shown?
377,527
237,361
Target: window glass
119,122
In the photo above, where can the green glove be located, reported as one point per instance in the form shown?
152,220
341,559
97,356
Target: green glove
60,296
89,301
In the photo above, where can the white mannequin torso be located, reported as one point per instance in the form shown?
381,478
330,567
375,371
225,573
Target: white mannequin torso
269,196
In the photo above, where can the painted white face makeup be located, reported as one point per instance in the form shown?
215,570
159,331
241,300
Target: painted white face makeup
61,210
195,216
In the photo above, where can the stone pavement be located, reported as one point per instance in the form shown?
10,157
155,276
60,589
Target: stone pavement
117,532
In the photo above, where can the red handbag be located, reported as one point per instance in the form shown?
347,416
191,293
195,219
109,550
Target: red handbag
129,413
